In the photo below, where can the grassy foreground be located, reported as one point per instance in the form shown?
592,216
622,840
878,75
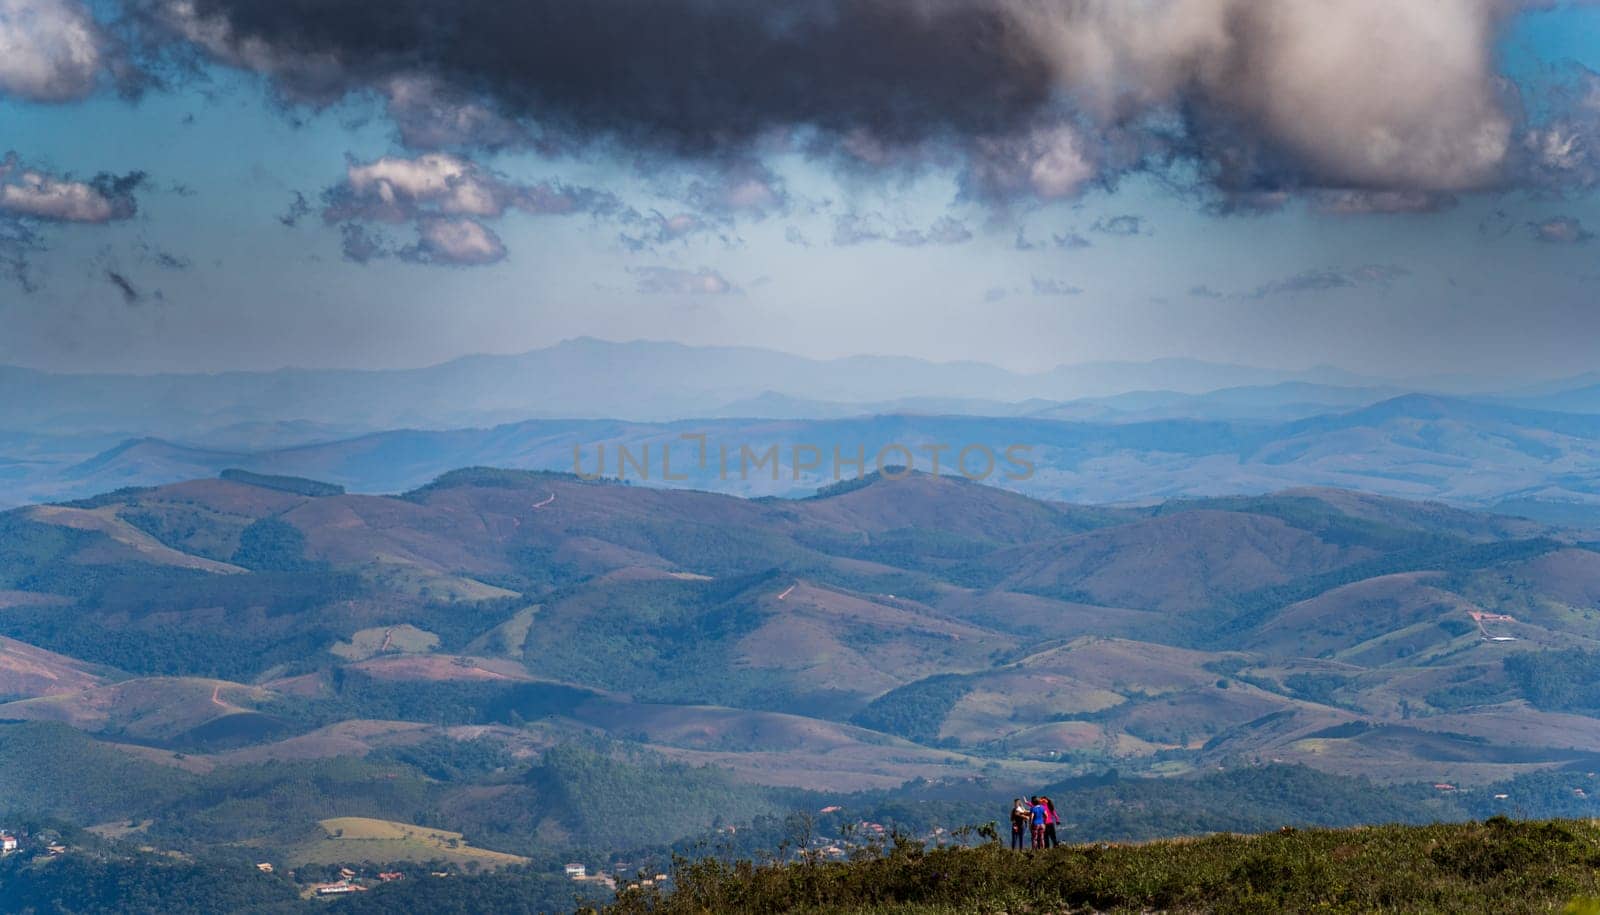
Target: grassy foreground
1499,866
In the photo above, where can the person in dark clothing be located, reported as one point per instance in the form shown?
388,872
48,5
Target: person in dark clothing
1021,820
1050,820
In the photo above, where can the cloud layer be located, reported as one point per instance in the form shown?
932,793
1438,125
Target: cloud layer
1033,99
447,199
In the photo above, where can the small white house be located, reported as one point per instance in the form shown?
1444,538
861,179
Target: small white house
577,871
8,843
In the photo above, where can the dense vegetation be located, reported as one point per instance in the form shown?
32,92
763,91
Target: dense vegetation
297,485
357,695
669,641
639,799
1499,866
55,770
916,710
1430,554
272,545
514,893
138,884
1560,681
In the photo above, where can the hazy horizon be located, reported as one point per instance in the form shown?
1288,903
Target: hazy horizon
1485,381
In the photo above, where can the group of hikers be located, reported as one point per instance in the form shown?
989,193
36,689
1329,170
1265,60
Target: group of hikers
1035,817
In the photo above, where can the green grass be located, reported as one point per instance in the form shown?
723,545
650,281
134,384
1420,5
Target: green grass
344,840
402,639
1499,866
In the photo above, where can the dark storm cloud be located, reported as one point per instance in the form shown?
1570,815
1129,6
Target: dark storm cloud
692,76
1025,99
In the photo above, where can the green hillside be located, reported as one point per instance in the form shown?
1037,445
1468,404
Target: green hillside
1500,866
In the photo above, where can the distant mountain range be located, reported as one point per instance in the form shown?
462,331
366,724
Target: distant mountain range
1536,463
1105,432
653,381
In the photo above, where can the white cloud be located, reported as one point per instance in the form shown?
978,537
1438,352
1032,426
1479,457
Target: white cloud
30,193
1364,93
50,50
461,242
448,198
393,189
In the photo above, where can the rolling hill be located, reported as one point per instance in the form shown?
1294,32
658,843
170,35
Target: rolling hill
255,630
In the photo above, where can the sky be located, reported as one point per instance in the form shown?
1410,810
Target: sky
1395,189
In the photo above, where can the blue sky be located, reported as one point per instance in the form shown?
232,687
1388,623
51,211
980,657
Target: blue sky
846,260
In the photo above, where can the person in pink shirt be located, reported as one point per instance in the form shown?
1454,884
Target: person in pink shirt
1050,820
